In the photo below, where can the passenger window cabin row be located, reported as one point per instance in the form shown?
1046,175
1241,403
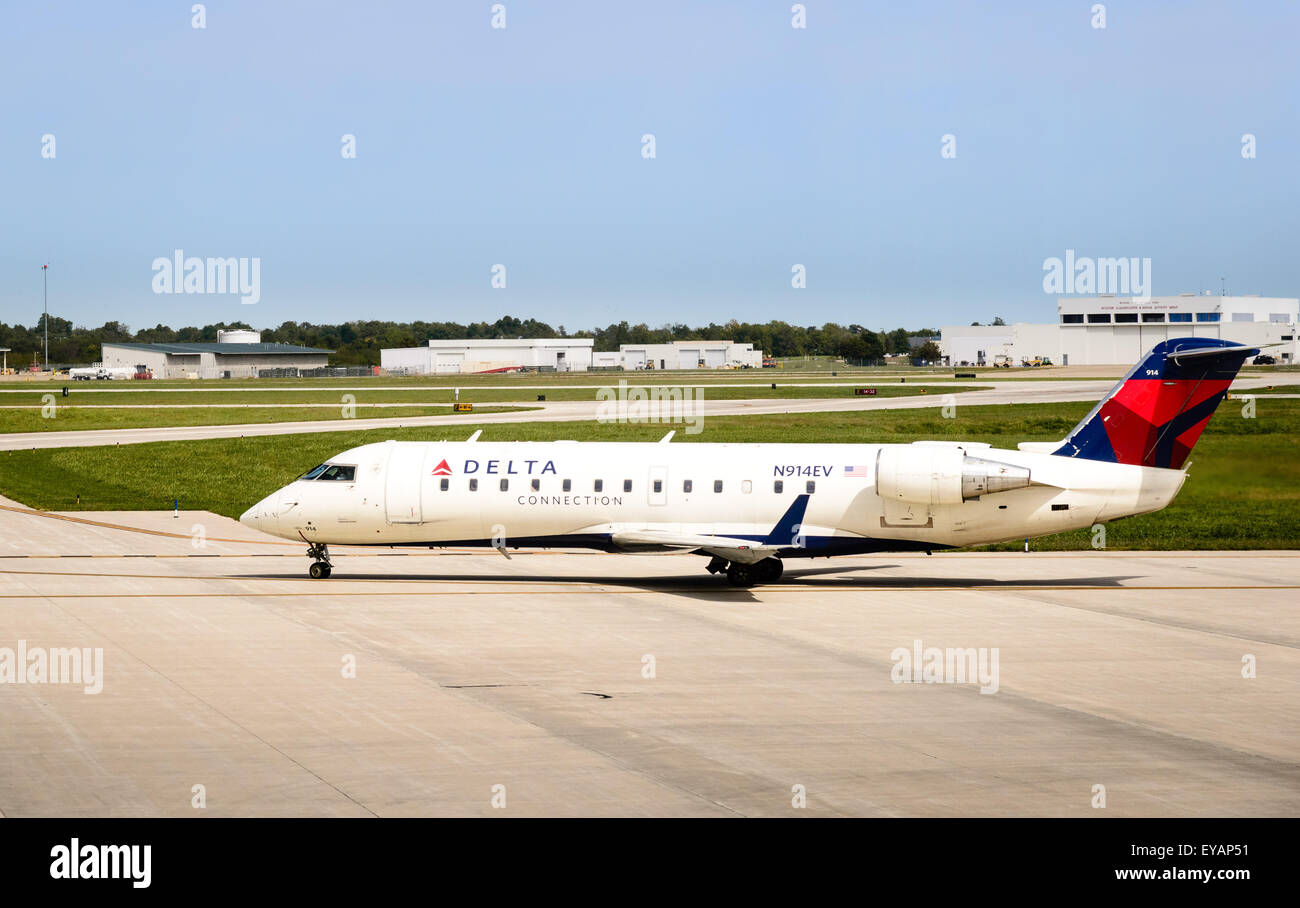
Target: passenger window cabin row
344,473
598,485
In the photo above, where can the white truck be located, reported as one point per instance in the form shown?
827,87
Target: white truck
99,372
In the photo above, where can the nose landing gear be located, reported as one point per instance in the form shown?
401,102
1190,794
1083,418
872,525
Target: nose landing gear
320,568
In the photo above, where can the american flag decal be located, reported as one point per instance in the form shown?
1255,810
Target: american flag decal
858,472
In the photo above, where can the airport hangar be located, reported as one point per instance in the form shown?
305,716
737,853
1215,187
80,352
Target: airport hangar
236,354
568,354
685,355
1109,330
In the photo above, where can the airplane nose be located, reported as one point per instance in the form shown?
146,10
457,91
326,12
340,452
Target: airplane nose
263,515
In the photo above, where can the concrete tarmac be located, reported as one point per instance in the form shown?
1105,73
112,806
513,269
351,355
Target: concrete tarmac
594,684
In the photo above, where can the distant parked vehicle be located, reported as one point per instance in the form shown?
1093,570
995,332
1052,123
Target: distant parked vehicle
1264,360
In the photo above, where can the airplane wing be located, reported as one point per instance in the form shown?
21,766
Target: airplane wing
746,551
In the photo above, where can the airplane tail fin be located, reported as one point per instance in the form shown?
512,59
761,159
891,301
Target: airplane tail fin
1157,411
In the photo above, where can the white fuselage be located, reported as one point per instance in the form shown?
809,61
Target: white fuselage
861,498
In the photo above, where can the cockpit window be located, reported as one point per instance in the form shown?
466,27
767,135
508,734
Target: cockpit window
338,472
333,471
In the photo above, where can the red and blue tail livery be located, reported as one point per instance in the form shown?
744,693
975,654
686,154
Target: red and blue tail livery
1153,417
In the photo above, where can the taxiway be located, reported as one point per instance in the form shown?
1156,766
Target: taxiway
593,684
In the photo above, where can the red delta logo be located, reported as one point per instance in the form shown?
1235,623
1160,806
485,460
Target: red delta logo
442,469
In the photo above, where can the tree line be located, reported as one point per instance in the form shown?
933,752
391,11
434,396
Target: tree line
359,342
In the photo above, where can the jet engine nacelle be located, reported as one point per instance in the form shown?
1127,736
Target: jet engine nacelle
942,475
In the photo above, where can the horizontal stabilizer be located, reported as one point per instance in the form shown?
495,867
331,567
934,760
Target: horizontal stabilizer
1180,355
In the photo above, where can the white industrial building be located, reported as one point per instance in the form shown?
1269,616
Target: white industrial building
563,355
1108,330
693,354
236,354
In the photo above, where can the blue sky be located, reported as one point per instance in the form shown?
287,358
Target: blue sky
522,146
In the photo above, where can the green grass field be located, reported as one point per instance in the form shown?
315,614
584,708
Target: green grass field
144,409
513,379
69,419
1243,491
1271,389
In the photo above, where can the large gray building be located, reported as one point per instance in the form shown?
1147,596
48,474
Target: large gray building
213,360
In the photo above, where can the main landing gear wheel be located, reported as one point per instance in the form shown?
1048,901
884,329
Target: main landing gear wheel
768,570
740,574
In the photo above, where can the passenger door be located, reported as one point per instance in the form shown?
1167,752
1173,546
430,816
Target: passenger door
402,482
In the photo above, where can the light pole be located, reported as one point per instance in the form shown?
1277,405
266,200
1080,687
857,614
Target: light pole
45,278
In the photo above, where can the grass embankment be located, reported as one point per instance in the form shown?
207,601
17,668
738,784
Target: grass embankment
78,419
145,409
496,379
1269,389
1243,491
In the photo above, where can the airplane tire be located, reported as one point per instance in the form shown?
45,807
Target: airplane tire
740,574
770,569
319,570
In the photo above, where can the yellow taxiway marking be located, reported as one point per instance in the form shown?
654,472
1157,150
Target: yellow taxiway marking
533,586
621,590
444,553
117,526
222,577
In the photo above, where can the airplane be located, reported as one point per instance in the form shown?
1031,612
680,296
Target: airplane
750,507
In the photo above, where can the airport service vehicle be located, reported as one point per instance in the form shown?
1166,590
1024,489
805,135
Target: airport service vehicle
100,373
750,507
